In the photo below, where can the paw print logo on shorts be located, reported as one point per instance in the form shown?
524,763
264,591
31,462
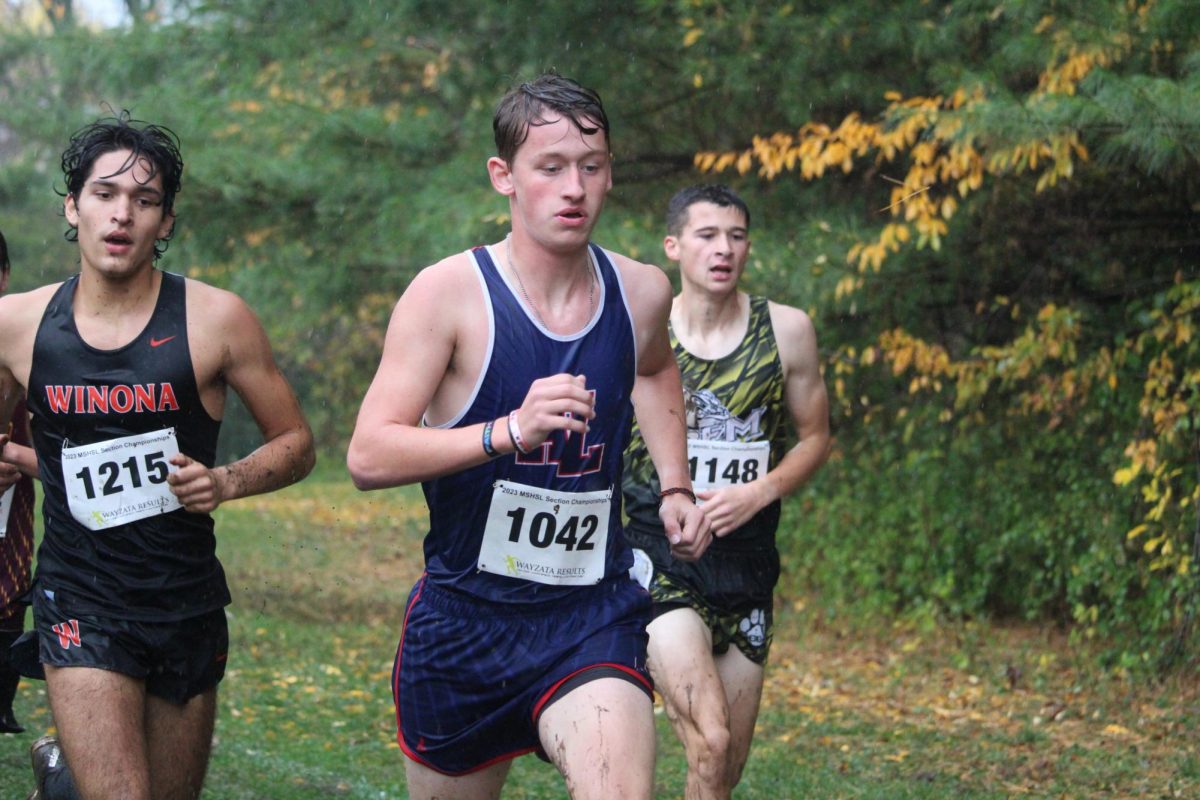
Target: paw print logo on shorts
753,627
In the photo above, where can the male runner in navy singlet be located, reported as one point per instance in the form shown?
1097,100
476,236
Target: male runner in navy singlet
506,385
125,368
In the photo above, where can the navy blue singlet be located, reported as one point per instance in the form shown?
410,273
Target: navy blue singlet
519,352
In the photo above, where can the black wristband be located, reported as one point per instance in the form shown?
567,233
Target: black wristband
676,490
488,448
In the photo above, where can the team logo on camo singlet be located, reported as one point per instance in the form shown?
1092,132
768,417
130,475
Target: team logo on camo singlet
723,449
736,418
708,418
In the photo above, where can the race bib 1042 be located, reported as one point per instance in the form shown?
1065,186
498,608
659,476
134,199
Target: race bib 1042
120,480
546,536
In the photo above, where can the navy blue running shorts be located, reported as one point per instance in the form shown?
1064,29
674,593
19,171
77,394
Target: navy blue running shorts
471,679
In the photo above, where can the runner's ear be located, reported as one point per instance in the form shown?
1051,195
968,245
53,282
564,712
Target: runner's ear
70,211
164,227
671,247
501,176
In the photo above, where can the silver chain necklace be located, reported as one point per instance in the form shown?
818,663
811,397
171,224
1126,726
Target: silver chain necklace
525,294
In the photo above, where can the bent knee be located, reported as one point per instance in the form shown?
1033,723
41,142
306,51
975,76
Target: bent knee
708,750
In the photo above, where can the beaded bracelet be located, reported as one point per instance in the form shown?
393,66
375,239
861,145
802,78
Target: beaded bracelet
514,433
676,490
488,447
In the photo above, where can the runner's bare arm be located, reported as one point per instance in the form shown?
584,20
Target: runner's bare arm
388,446
804,394
15,339
10,393
19,316
248,367
658,403
424,349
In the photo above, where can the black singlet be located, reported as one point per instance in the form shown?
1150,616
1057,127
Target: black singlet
163,567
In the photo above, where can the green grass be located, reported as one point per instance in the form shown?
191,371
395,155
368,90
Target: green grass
320,574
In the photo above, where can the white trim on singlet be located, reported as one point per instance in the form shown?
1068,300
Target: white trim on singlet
558,337
491,315
628,311
487,356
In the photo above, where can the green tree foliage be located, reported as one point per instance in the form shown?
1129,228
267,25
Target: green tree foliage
314,134
1046,210
989,208
333,149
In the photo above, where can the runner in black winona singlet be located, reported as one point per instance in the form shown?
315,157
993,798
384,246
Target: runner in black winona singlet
127,370
160,567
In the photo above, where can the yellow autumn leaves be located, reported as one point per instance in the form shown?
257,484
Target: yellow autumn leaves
947,155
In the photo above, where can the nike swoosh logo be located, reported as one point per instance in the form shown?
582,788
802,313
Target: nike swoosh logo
156,342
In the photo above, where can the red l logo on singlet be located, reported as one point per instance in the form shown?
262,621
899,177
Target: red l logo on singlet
68,633
570,452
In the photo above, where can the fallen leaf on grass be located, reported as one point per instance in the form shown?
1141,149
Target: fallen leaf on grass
1053,710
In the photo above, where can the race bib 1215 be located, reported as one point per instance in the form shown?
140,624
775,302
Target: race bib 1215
120,480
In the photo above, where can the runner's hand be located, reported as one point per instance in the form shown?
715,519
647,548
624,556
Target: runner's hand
687,527
559,403
195,485
731,507
9,474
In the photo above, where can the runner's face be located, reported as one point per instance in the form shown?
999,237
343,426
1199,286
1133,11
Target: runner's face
712,247
119,217
558,181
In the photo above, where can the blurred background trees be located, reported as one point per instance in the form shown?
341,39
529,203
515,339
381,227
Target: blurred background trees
989,208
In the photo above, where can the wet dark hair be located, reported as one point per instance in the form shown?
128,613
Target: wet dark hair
718,195
157,145
4,265
527,105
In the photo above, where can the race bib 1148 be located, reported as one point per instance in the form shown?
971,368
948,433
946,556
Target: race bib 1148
120,480
714,464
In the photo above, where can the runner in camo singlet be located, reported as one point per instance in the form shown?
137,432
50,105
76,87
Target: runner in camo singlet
749,367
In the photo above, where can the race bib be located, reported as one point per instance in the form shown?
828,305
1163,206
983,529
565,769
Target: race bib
546,536
120,480
6,501
716,464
